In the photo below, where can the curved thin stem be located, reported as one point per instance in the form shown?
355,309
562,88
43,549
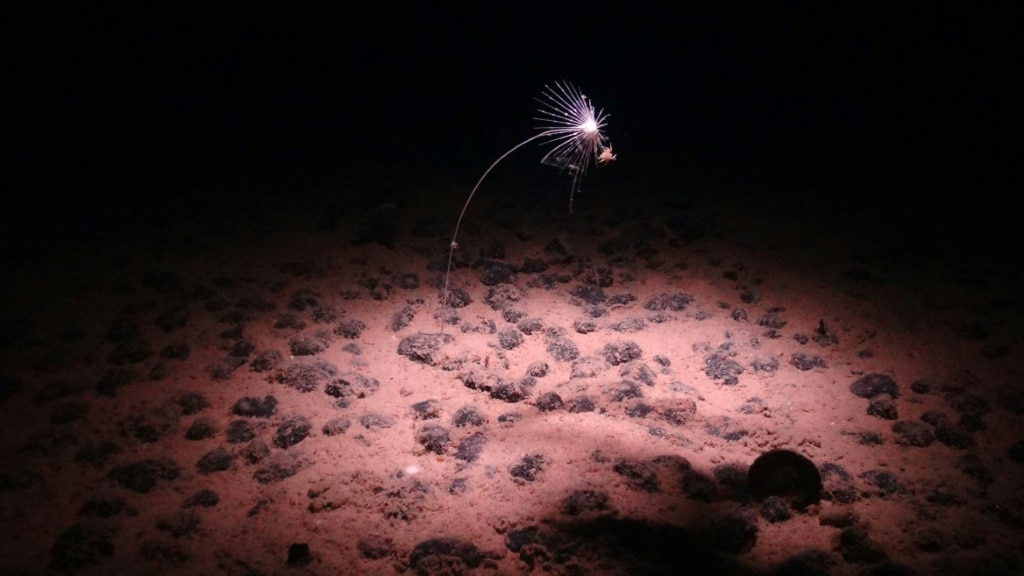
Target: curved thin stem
451,249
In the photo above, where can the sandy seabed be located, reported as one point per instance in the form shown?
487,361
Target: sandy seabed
284,393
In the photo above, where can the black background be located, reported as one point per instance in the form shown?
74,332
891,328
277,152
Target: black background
907,110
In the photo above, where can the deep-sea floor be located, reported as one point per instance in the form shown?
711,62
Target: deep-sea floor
276,391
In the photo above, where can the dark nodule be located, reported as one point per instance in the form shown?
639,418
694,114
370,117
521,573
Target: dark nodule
785,474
